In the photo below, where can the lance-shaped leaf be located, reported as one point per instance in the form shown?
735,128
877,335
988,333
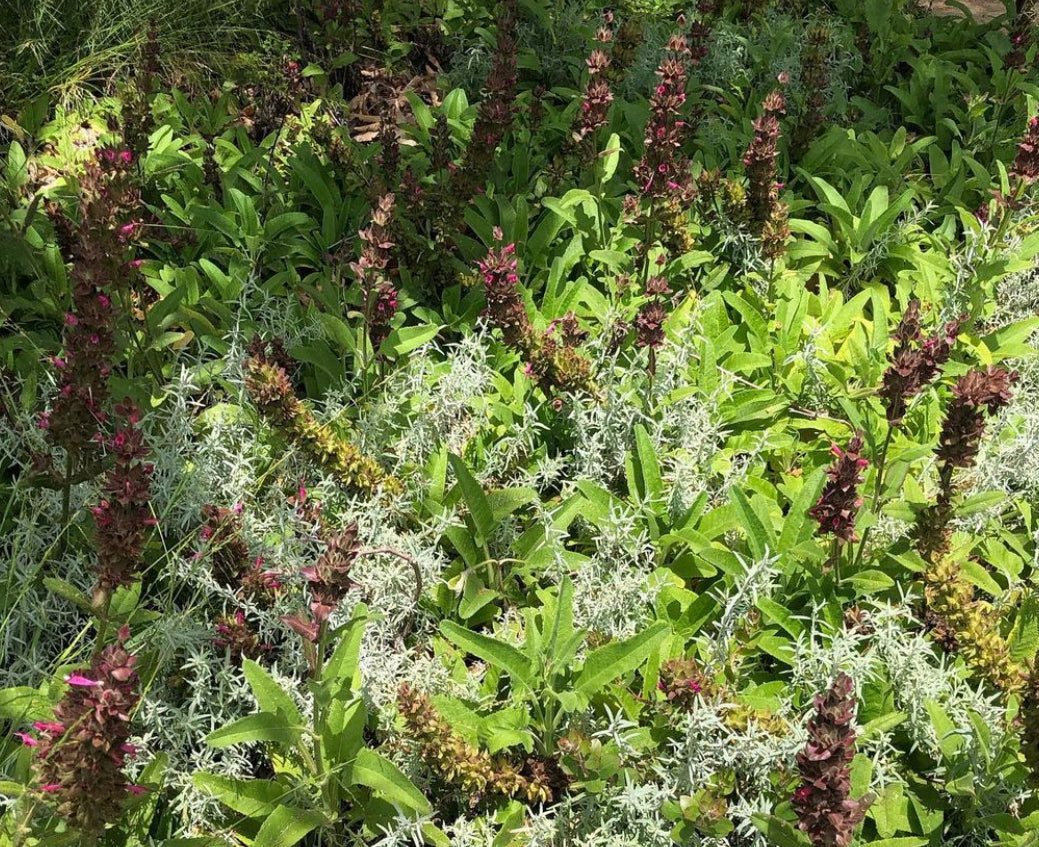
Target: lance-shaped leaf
613,660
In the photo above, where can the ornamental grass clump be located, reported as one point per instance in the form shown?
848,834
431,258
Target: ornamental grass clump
80,754
462,765
271,390
825,810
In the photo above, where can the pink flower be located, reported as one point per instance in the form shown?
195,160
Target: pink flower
27,740
49,726
136,790
80,680
50,787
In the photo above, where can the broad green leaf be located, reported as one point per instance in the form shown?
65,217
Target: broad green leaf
22,703
254,798
270,696
648,479
610,156
344,731
408,338
871,581
779,832
606,663
287,826
501,655
385,778
262,726
780,614
475,499
342,669
760,539
505,501
797,524
67,591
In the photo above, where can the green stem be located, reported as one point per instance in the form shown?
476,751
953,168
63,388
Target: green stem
66,498
318,765
878,489
104,608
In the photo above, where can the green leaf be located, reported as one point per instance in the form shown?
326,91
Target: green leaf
407,338
336,329
760,539
606,663
270,696
475,499
780,614
883,723
262,726
505,501
610,156
501,655
797,519
386,779
779,832
871,581
344,731
341,671
949,740
254,798
287,826
67,591
647,480
22,703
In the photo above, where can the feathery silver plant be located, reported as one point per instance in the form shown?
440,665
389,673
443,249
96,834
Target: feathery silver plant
758,580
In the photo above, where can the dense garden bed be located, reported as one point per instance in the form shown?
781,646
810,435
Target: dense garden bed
519,424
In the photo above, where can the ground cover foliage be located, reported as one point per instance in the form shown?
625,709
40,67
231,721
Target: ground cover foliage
481,424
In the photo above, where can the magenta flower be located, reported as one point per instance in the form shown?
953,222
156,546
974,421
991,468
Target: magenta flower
839,503
825,810
80,768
